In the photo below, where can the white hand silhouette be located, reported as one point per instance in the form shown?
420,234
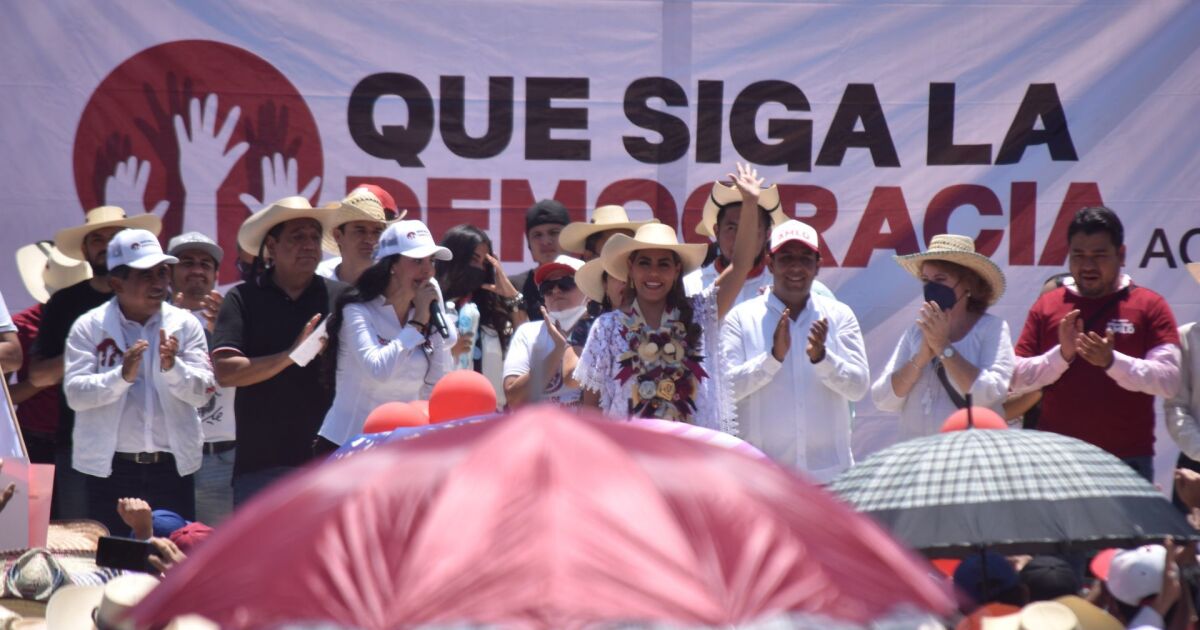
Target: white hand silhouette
280,179
205,160
126,187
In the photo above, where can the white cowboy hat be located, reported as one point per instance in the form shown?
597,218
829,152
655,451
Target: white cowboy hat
254,229
45,270
70,240
1194,269
650,236
723,195
590,279
360,205
959,250
573,238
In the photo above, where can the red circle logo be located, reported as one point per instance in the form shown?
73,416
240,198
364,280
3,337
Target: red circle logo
202,134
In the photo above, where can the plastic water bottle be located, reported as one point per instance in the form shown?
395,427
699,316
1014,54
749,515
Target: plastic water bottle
468,324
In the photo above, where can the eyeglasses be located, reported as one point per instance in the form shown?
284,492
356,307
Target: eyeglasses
564,284
188,263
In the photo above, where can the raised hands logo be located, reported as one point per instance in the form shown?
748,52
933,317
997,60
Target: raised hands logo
199,133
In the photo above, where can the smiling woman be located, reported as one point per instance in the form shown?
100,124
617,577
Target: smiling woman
659,356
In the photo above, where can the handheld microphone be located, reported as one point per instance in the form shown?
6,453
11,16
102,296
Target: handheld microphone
436,319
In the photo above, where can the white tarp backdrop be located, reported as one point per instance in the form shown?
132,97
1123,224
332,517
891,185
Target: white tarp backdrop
887,122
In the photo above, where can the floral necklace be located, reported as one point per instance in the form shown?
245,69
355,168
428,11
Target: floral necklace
666,371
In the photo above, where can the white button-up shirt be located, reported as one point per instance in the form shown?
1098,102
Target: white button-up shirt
797,412
143,427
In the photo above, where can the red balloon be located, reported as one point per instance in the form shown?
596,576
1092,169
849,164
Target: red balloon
392,415
461,394
422,406
981,417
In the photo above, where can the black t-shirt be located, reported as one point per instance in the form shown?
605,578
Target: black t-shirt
278,418
58,315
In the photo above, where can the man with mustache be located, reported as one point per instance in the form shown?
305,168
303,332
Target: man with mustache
87,242
136,370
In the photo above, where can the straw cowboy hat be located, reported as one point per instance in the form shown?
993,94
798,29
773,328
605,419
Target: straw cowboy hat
959,250
590,279
573,238
31,576
723,195
360,205
45,270
254,229
70,240
649,236
86,607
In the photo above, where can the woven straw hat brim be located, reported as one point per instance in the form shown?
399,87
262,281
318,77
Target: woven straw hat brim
341,213
590,280
980,264
618,248
254,229
70,240
723,195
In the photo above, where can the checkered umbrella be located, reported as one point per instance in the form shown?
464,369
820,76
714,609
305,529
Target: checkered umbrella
1010,491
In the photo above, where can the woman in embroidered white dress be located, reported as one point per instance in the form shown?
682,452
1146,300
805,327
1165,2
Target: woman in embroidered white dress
659,356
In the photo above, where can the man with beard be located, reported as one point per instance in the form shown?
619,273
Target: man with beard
136,369
192,280
87,242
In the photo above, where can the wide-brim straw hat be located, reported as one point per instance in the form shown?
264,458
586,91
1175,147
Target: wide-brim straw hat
725,194
70,240
1194,269
573,238
650,236
72,544
590,279
360,205
254,229
44,270
959,250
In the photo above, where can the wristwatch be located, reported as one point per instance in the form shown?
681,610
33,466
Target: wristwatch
514,303
948,352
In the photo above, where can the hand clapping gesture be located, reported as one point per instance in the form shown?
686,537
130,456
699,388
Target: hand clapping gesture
817,335
935,327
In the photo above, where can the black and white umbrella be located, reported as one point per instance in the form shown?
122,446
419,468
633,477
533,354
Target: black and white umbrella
1010,491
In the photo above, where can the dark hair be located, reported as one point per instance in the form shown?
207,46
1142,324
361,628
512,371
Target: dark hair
121,271
677,298
371,284
764,220
589,244
462,240
1097,219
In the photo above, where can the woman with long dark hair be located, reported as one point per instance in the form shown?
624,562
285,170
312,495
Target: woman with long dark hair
659,354
473,279
382,333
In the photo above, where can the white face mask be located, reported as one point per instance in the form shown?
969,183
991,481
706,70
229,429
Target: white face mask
567,318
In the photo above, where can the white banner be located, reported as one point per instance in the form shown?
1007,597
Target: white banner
883,124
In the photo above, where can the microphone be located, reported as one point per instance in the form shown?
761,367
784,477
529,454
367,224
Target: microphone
436,319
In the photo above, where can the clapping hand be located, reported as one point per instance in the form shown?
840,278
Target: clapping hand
935,327
168,347
1095,349
782,339
816,340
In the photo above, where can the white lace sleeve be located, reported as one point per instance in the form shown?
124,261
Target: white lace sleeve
715,407
596,368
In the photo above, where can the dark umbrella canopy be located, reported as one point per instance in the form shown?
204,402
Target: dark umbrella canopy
1009,491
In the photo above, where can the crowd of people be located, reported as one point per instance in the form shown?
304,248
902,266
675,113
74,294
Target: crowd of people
137,378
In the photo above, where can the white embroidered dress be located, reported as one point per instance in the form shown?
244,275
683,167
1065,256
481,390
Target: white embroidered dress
600,362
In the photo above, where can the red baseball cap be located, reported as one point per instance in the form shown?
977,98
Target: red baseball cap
385,198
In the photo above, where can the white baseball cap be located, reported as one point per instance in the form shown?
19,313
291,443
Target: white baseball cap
793,230
1136,574
138,249
411,239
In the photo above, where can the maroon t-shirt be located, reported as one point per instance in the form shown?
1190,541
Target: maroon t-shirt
1085,403
39,413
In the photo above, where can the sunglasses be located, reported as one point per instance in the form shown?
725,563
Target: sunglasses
564,284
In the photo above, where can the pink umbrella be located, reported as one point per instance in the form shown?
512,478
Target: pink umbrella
544,520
